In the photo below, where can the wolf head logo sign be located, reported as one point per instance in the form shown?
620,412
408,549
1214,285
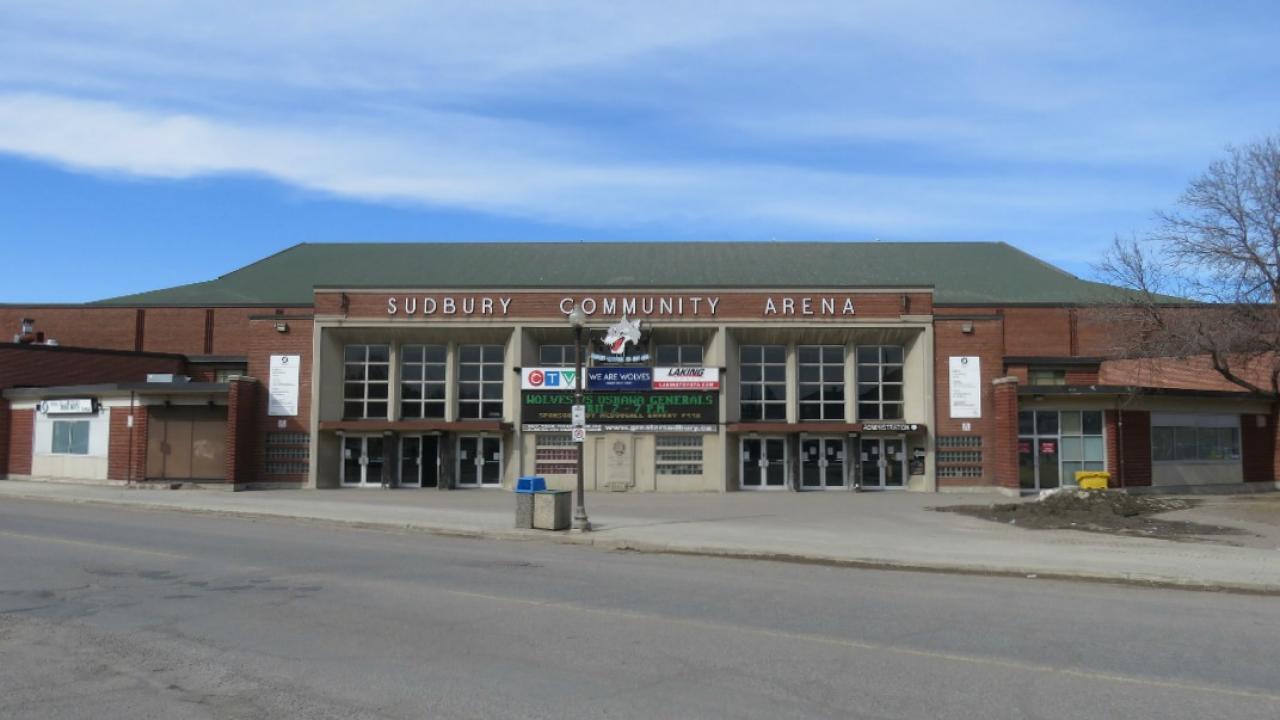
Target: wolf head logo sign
623,332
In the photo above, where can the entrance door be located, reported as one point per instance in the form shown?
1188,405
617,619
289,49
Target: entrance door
420,461
479,461
764,464
362,460
186,442
883,463
821,463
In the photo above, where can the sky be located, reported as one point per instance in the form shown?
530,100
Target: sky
148,143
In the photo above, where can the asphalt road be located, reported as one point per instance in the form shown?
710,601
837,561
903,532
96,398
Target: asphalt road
117,613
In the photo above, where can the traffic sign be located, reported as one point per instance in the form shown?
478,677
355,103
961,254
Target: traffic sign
580,434
579,416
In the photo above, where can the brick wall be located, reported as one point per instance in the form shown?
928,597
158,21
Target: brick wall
127,447
44,365
262,342
1136,448
176,330
985,342
111,328
21,441
189,331
1258,447
1037,331
242,431
1082,375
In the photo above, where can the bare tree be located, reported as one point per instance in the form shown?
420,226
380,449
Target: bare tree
1206,282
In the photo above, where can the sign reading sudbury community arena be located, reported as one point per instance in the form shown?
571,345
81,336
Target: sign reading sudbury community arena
611,306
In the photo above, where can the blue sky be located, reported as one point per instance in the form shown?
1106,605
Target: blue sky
148,143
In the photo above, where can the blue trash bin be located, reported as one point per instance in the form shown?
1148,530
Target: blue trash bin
531,484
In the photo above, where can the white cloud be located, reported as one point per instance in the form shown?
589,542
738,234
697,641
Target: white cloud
503,167
558,110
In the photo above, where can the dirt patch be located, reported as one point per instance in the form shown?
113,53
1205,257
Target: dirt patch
1114,513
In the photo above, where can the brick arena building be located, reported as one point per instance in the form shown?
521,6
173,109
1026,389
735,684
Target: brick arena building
709,367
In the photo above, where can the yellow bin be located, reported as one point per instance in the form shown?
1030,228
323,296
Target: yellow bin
1093,479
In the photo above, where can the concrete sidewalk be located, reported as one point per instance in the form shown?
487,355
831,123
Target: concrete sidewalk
893,530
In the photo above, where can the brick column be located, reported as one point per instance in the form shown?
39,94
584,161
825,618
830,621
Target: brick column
1257,447
242,431
1129,463
22,428
127,446
1005,453
1273,423
4,438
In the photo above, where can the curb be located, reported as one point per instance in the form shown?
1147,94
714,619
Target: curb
623,545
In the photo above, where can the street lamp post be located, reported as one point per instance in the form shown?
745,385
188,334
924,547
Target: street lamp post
578,319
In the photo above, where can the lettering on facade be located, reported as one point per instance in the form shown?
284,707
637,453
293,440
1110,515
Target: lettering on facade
670,306
615,306
484,306
808,306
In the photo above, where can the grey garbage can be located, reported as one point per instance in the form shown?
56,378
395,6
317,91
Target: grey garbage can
524,510
526,486
552,509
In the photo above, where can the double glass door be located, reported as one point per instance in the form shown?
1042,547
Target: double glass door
362,460
420,461
822,463
883,463
479,461
764,464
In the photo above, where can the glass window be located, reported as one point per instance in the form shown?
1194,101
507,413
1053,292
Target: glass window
763,382
422,379
1204,439
1081,446
821,381
880,389
557,356
1046,376
555,454
480,382
71,437
366,371
678,454
678,356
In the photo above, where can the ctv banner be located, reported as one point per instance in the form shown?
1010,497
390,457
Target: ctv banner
686,378
548,378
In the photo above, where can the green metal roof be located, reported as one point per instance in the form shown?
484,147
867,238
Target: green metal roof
961,273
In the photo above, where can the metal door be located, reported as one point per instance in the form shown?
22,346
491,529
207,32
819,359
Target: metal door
479,461
764,464
883,462
420,461
822,463
362,460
